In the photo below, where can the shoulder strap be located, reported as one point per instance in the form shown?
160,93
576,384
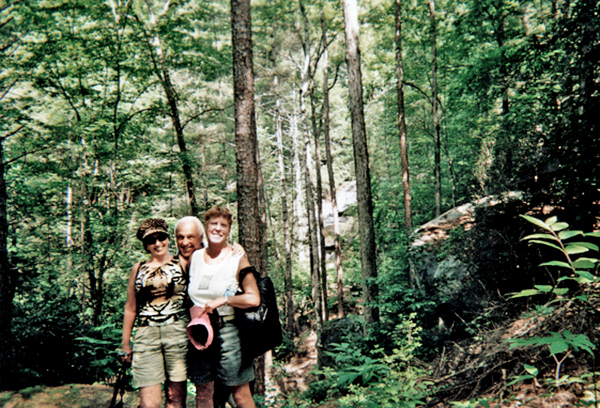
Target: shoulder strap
246,271
139,267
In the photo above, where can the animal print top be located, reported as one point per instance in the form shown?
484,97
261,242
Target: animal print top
161,294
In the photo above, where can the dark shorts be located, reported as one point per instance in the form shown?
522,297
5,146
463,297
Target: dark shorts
202,365
222,360
230,370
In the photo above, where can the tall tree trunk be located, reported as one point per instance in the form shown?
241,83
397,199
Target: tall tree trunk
305,159
82,235
402,122
308,88
332,188
319,199
287,239
361,162
69,228
298,207
262,208
246,146
184,155
306,163
437,177
162,72
7,287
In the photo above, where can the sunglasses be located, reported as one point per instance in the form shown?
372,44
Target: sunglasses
151,240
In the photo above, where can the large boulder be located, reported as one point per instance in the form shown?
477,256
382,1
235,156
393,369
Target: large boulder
469,259
337,331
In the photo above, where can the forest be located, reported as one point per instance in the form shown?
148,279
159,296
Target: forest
335,131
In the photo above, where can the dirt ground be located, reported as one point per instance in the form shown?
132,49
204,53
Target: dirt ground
295,374
66,396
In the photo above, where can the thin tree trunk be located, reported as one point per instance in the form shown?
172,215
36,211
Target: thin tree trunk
437,177
306,163
361,163
262,208
246,147
298,207
7,287
402,122
69,229
305,158
287,240
332,188
82,235
319,199
162,73
183,151
318,226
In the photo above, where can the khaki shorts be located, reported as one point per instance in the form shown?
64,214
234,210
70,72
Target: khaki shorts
159,353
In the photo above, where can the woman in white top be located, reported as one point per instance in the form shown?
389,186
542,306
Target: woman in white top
214,282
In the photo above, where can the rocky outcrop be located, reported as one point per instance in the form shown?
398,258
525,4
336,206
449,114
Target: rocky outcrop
469,258
346,199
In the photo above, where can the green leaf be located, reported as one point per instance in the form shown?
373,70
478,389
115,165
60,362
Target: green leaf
94,341
582,341
556,263
584,263
543,288
540,236
575,249
560,291
558,345
519,379
531,369
347,378
568,234
547,244
585,245
524,293
592,234
551,221
559,226
586,275
537,222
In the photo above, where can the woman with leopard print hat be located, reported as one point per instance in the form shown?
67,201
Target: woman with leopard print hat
156,298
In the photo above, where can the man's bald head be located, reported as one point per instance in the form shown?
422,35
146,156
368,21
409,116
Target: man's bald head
188,235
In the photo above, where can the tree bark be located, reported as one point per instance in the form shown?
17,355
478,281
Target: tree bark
298,207
162,72
319,199
246,146
306,163
287,239
305,159
7,285
361,163
332,188
437,178
402,122
184,155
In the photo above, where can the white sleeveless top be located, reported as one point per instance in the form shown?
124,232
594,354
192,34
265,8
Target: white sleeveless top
208,282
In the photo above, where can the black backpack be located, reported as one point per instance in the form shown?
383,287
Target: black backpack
259,327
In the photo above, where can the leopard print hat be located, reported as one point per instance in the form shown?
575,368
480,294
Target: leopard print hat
152,226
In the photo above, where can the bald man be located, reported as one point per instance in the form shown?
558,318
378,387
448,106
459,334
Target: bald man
188,235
